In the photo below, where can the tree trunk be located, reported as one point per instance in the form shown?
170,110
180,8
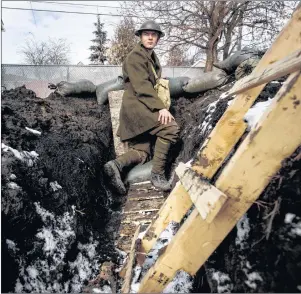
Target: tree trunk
228,35
211,53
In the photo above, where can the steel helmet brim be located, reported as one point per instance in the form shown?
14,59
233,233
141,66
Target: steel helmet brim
138,32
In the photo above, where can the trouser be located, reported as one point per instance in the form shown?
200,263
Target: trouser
140,147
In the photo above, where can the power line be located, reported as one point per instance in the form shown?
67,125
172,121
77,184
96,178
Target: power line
74,4
83,13
63,11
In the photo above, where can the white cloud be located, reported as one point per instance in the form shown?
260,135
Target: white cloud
77,29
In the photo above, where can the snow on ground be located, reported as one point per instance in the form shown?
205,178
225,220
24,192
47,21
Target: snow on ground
28,157
295,224
55,186
44,274
33,131
243,229
163,240
11,245
206,124
254,114
181,283
224,283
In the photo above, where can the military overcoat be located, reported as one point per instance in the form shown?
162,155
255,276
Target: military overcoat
140,103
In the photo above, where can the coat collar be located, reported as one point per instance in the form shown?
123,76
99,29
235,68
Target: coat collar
147,54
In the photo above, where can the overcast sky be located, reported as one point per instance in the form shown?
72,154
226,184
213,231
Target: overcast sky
77,29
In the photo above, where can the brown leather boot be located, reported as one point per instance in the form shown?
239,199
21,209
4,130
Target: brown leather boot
158,177
117,168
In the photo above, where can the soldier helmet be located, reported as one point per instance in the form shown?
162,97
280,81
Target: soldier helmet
150,25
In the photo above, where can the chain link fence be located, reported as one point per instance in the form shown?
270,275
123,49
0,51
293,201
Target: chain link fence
36,77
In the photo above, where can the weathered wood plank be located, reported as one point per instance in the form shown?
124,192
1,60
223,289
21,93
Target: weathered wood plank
207,199
259,157
274,71
126,287
173,209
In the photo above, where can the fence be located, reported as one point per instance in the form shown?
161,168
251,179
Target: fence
37,78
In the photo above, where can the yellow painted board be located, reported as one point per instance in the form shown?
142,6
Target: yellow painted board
259,157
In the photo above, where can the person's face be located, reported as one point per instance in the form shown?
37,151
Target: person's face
149,39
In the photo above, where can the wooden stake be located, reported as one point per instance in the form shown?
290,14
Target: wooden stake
173,209
126,287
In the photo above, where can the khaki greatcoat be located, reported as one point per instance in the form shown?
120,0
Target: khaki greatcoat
140,102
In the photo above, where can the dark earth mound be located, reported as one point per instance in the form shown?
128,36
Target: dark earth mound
55,207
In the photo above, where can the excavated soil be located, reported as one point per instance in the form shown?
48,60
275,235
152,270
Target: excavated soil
56,216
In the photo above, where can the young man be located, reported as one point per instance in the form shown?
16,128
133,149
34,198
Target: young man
143,115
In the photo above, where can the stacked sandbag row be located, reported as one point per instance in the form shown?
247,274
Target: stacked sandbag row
240,63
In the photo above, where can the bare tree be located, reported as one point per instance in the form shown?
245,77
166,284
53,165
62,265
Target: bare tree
123,41
54,51
212,27
176,57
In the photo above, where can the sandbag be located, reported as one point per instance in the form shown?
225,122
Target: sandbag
176,86
67,88
246,67
140,173
207,81
103,89
232,62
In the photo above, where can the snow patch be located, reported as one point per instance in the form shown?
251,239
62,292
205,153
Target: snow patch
181,283
104,289
14,186
243,230
163,240
224,283
55,238
253,279
254,114
12,177
55,186
33,131
11,245
25,156
289,218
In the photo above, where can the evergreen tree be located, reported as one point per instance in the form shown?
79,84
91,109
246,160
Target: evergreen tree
98,55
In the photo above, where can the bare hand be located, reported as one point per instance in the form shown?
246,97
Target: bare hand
165,116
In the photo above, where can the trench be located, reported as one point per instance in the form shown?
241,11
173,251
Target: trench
60,220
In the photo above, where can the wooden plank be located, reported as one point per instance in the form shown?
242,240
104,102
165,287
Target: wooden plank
173,209
126,287
259,157
229,129
115,100
274,71
207,199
